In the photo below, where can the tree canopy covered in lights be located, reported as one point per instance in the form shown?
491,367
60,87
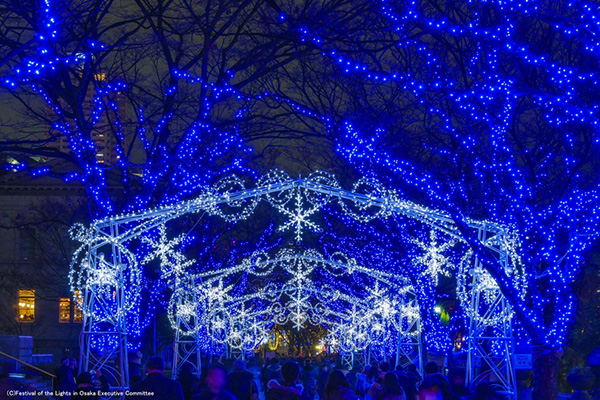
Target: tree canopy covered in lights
484,110
508,130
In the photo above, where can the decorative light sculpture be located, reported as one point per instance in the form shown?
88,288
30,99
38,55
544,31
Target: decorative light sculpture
242,321
435,262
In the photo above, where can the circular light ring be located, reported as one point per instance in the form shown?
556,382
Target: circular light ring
348,264
224,188
274,310
319,199
219,324
270,292
475,279
183,311
372,189
105,281
277,198
259,264
406,320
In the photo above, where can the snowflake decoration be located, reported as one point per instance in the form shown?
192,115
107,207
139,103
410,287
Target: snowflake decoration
433,259
217,294
487,285
377,292
105,276
186,312
172,261
299,218
218,328
410,311
386,308
297,308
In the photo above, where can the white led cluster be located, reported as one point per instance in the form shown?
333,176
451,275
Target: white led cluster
173,262
115,283
205,304
357,321
433,258
473,279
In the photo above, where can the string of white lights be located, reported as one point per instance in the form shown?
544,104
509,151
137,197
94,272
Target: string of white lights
204,301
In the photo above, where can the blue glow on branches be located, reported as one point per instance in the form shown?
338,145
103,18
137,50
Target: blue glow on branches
487,159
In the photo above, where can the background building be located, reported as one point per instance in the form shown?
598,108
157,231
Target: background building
35,253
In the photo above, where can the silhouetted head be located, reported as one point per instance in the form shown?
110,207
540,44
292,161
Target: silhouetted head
155,364
385,366
335,380
431,368
239,365
84,378
215,378
290,372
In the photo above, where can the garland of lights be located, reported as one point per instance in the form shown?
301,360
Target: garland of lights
231,200
472,277
232,320
103,278
202,304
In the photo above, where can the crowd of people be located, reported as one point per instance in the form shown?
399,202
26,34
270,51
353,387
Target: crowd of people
285,379
69,385
323,379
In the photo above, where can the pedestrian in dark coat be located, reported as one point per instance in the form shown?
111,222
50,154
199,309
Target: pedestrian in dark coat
308,375
86,388
156,385
190,382
240,382
322,379
289,388
215,385
337,387
64,385
272,371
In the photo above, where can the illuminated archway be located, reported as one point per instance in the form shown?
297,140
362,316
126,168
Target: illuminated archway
107,272
357,317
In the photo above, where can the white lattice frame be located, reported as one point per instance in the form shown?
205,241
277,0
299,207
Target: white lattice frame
116,229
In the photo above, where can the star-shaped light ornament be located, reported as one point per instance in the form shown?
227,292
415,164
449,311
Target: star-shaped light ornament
488,286
298,217
104,276
297,307
216,295
186,312
433,258
173,262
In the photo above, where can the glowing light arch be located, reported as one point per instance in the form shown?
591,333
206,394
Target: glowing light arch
298,199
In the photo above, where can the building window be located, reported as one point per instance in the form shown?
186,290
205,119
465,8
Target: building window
77,312
64,310
26,305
